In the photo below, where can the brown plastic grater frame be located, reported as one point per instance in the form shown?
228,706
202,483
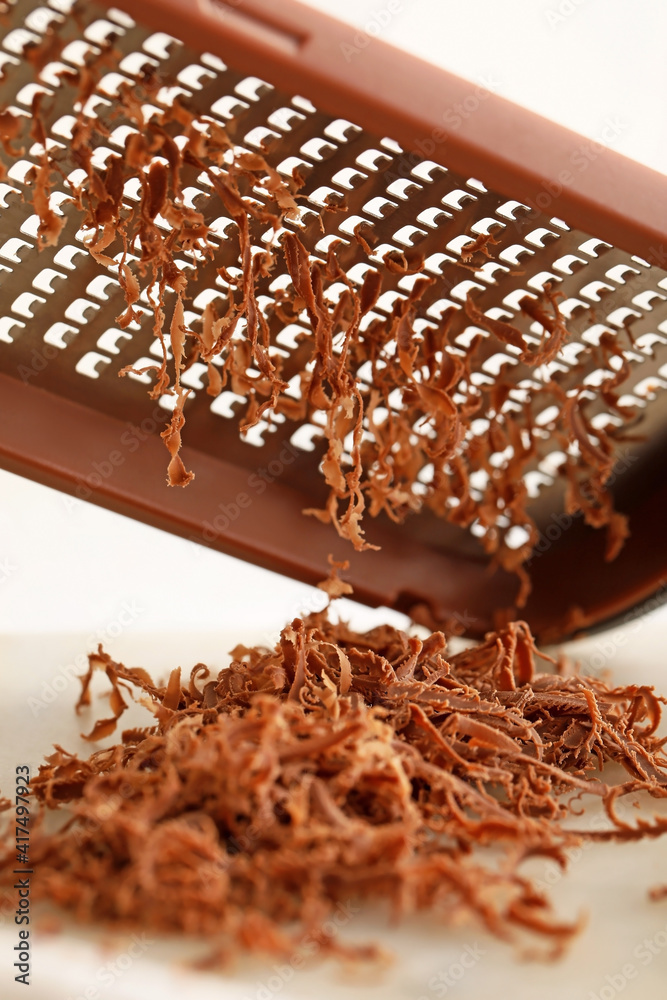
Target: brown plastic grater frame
57,425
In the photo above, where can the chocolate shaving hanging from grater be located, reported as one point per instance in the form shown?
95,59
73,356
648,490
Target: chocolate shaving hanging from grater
427,425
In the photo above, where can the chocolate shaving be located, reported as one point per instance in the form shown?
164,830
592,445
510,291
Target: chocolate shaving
333,585
419,408
334,768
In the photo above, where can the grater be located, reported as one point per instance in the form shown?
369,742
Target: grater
397,162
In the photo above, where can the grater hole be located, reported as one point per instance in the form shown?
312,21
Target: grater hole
541,237
619,317
167,96
341,130
7,61
403,188
649,387
81,310
253,88
26,303
78,52
373,160
26,95
569,264
648,300
285,119
568,307
160,45
17,40
510,210
20,171
192,76
110,340
103,32
486,225
167,401
51,75
92,364
62,6
143,377
254,436
349,178
112,82
432,217
647,341
192,378
158,351
10,328
619,273
215,62
516,537
306,437
456,199
15,249
594,247
43,282
65,256
595,290
60,335
223,405
8,194
409,236
511,255
100,285
294,164
318,149
427,170
261,138
40,19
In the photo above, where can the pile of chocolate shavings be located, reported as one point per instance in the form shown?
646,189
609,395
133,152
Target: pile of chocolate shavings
335,768
375,450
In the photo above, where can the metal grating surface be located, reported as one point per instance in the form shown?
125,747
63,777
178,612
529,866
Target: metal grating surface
58,326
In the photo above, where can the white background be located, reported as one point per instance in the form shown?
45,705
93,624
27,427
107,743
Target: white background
72,567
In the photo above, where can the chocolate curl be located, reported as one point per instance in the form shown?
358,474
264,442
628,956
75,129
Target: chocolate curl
11,126
50,224
554,326
370,290
177,475
298,265
172,695
131,290
478,245
214,387
333,585
177,332
405,342
600,460
505,332
103,727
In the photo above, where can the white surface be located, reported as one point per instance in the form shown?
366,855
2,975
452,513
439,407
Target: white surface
607,882
66,565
